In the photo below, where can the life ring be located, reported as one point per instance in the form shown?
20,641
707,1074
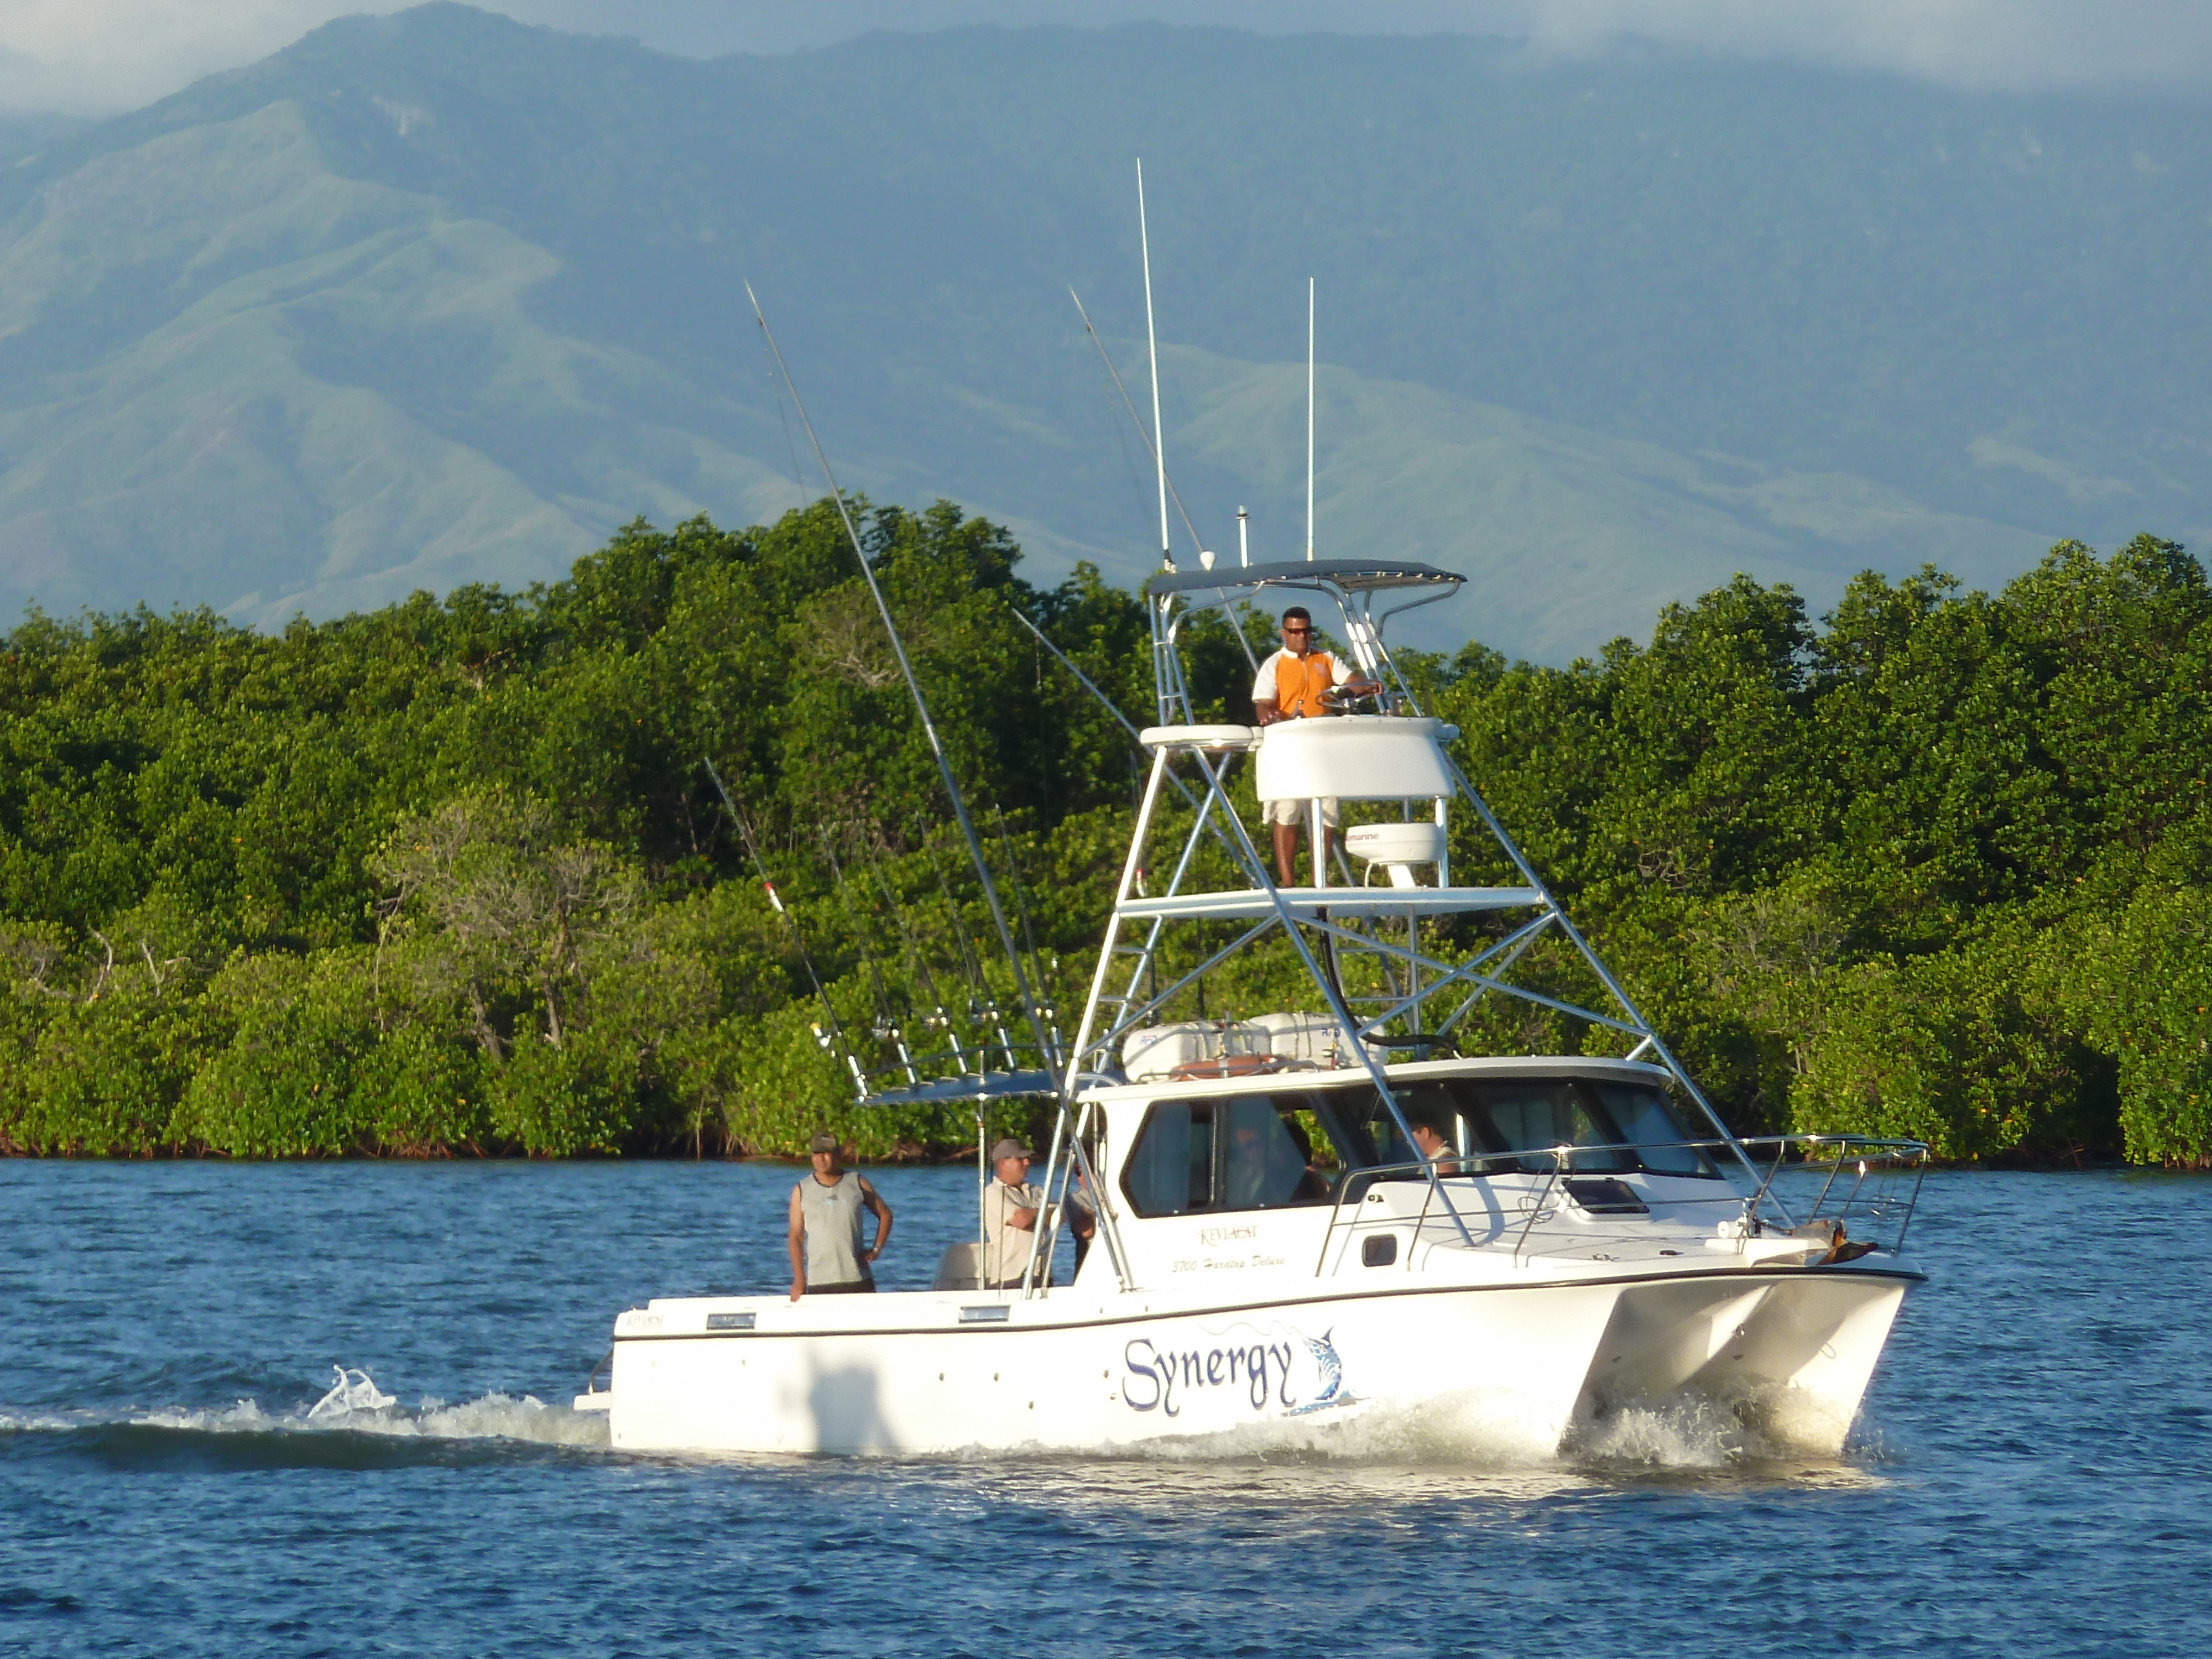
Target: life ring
1224,1066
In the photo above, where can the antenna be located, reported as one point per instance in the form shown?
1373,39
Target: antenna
1310,416
1152,344
1243,541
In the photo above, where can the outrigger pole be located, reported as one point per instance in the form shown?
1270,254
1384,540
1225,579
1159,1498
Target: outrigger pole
1152,344
1136,420
1168,483
922,706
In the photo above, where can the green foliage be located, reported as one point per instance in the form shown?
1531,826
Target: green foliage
449,876
1891,874
1953,1048
284,1085
556,1100
2140,984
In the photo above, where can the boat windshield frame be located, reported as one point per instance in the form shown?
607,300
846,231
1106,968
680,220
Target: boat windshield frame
1613,1146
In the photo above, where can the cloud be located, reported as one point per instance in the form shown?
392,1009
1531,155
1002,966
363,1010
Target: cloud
2007,43
96,57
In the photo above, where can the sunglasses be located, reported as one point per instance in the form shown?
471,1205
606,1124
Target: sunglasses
1295,628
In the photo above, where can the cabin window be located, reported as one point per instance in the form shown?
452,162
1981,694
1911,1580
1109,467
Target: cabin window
1172,1166
1644,1118
1261,1165
1547,1112
1244,1152
1488,1121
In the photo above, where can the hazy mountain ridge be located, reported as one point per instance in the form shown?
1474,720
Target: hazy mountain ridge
439,297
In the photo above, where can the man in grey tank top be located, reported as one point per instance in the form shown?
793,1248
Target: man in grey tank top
827,1257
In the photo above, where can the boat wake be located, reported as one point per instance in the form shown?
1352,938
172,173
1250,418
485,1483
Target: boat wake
356,1423
353,1412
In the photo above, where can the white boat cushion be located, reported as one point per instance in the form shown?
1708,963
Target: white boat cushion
1196,737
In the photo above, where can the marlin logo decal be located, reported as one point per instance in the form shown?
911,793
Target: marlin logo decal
1331,1366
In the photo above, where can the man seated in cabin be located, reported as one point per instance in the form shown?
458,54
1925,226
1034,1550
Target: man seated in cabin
1299,682
826,1255
1435,1149
1267,1159
1011,1208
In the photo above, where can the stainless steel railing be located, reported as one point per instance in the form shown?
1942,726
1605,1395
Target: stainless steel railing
1859,1187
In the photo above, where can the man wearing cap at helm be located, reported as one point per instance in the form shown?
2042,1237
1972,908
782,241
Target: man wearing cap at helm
1299,682
1011,1208
826,1255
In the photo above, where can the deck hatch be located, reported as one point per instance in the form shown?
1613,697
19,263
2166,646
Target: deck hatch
1603,1196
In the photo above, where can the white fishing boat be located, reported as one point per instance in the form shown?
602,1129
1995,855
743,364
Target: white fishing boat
1325,1214
1576,1249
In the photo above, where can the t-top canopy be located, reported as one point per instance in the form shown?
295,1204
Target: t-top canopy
1351,575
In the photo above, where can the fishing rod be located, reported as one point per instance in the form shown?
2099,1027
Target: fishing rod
1022,907
983,1005
1189,795
917,965
891,1028
836,1032
914,688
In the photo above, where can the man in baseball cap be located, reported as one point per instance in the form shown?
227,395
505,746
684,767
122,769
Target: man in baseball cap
1011,1208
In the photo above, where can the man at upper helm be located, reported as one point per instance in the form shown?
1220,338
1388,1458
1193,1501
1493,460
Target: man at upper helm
1299,682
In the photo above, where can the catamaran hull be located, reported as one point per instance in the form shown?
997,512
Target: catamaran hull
1515,1370
1791,1354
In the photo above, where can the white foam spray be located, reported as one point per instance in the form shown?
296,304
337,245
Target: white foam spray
353,1405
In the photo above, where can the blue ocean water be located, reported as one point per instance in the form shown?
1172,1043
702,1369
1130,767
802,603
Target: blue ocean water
2031,1477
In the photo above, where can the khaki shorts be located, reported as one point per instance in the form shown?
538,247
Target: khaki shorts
1295,811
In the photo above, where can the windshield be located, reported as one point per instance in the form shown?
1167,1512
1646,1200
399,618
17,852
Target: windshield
1485,1120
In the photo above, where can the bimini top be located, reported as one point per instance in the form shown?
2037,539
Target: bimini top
1351,575
987,1086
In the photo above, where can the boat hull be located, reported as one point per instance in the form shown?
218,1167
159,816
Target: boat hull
1516,1369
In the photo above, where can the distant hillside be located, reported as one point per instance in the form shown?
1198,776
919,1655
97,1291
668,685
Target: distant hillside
438,297
23,136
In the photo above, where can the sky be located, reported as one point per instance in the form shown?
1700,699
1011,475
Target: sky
101,56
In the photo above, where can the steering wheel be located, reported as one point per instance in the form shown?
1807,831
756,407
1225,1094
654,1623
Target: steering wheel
1341,700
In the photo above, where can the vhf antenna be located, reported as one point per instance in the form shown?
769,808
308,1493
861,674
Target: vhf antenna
1152,344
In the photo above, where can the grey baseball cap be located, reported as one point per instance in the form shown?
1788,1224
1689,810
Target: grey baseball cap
822,1143
1010,1147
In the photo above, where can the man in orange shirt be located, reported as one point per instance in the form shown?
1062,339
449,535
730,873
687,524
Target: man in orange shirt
1299,682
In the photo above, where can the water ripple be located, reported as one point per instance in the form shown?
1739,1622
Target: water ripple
2031,1477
